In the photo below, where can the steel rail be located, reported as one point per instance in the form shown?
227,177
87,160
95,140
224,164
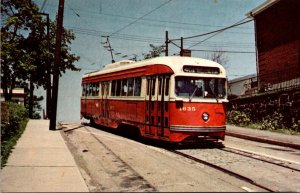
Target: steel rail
221,169
248,154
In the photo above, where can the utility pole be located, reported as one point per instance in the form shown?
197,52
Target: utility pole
167,41
48,84
57,60
184,52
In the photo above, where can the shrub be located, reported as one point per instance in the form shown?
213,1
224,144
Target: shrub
296,125
272,122
13,122
238,118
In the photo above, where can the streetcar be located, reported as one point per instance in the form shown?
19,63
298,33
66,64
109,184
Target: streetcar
169,98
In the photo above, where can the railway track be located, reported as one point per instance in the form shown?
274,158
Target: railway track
259,157
215,166
226,168
249,176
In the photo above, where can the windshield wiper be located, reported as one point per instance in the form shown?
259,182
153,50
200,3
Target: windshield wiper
216,97
190,99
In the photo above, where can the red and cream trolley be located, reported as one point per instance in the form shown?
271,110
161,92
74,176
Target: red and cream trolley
166,98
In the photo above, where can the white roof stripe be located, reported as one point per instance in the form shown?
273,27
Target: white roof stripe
174,62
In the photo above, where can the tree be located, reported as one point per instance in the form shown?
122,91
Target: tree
24,54
155,52
14,61
218,56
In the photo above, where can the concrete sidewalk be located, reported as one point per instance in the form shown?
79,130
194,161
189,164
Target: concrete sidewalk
41,162
280,139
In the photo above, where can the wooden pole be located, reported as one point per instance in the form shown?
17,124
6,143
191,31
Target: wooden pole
57,60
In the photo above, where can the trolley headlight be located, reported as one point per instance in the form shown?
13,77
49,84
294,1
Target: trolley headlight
205,116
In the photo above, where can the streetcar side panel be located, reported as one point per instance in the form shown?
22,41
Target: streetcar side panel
170,117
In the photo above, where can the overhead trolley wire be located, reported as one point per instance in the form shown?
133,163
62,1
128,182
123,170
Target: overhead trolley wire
212,32
145,19
152,39
225,51
43,5
141,17
159,40
237,23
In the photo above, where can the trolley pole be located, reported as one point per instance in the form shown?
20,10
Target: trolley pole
167,41
57,60
181,46
110,49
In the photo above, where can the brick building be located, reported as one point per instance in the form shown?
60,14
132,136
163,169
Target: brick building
277,31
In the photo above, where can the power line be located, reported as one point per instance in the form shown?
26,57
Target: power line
43,5
147,19
149,39
155,20
141,17
212,32
237,23
73,10
225,51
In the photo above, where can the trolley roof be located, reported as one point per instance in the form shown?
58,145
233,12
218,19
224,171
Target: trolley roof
176,63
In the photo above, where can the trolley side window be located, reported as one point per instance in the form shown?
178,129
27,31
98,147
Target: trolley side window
130,86
84,89
159,85
137,86
90,89
113,88
118,88
148,86
95,89
102,88
106,88
167,86
124,88
153,80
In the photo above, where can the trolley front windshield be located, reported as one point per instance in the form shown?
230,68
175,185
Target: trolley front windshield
196,87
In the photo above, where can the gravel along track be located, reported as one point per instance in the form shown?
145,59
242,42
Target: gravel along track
109,162
274,176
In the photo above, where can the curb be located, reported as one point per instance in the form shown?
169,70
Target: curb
264,140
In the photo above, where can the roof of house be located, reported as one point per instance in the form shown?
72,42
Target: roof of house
242,78
261,8
15,91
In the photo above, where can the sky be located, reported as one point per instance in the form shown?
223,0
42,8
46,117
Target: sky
134,24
